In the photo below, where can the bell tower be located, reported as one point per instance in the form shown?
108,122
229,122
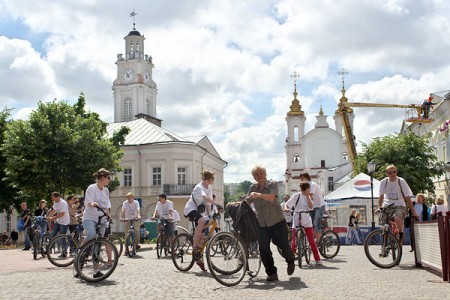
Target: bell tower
134,90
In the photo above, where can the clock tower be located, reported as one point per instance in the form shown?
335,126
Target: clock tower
134,89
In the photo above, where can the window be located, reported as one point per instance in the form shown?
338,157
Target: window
295,134
322,163
131,47
147,103
127,177
296,157
157,175
330,184
127,110
137,47
444,152
181,175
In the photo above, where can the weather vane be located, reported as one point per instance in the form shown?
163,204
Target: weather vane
133,14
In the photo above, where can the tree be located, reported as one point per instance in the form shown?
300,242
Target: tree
414,159
58,149
8,194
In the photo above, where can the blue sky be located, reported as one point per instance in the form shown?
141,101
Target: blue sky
230,62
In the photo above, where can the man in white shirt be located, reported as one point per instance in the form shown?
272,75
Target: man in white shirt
60,216
319,205
164,209
131,210
395,190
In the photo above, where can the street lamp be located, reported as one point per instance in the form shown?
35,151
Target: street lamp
371,168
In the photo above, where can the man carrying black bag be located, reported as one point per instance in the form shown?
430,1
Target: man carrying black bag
272,225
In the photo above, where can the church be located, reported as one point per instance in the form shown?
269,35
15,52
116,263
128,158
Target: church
155,160
321,152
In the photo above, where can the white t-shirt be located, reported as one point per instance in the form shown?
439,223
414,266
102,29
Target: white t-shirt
131,210
163,209
198,193
60,207
175,216
393,193
301,205
439,208
317,196
287,214
101,196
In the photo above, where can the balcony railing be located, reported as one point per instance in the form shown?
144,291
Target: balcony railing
178,189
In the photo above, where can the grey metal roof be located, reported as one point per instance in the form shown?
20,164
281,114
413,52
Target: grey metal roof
144,132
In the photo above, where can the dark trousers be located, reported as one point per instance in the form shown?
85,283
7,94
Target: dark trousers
278,234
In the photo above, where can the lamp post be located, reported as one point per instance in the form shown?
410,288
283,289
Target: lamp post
371,168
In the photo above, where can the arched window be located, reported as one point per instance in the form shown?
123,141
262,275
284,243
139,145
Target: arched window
127,110
295,134
137,47
131,47
296,157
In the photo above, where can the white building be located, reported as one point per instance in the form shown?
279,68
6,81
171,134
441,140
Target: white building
155,160
320,152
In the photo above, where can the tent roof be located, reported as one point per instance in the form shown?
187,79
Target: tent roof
356,188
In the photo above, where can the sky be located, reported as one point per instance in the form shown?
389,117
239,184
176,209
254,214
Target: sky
223,68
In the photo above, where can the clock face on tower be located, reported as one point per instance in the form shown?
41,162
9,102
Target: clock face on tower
147,77
128,75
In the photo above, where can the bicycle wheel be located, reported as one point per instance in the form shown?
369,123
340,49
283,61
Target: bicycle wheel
307,249
229,264
182,252
166,244
329,244
35,245
159,244
299,248
253,260
130,248
117,242
59,250
382,249
45,242
96,260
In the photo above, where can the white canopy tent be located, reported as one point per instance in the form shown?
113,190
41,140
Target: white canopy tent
356,188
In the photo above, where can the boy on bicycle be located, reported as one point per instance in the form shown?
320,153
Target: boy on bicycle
164,209
131,211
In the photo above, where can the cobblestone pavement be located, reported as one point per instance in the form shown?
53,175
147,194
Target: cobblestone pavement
348,275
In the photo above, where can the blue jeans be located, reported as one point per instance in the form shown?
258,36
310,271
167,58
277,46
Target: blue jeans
89,226
316,217
26,237
58,228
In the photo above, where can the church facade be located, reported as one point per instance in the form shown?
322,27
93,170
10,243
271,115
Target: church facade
321,152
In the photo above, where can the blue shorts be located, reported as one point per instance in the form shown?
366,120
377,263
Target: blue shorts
170,226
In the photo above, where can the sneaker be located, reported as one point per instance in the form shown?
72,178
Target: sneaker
291,268
196,254
26,248
62,255
201,265
98,274
138,247
318,263
272,277
126,254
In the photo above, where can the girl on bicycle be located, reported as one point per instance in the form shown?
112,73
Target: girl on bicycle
197,210
97,195
301,203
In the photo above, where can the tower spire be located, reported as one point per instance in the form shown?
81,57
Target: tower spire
133,15
296,108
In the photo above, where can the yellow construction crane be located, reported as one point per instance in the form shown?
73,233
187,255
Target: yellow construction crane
344,107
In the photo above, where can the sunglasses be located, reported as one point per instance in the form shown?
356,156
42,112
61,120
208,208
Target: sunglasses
392,172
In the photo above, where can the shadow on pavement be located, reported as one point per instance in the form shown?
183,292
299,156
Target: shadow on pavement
293,283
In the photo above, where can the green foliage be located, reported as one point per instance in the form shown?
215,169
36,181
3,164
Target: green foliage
414,159
8,194
58,149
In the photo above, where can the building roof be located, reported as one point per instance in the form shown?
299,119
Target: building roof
144,132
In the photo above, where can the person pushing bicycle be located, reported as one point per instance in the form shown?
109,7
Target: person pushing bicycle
131,211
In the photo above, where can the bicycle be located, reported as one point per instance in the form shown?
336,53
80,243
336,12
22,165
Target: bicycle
61,249
162,240
97,259
329,242
130,245
381,246
115,239
39,240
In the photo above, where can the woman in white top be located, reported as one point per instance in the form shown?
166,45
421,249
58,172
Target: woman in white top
302,203
97,195
439,207
197,210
